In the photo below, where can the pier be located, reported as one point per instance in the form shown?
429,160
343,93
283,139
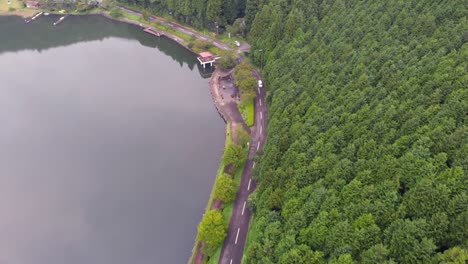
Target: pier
152,32
206,58
34,17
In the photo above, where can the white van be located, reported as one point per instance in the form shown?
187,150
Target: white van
260,83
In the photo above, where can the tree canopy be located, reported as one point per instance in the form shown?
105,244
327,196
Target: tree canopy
225,188
212,230
366,157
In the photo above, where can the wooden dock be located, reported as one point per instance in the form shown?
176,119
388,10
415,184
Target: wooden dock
34,17
153,32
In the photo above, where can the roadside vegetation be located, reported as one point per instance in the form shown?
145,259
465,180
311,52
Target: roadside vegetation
228,59
247,84
222,196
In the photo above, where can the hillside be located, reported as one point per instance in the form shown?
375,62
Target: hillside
367,151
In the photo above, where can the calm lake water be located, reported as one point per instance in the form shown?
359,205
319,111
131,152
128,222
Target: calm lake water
109,144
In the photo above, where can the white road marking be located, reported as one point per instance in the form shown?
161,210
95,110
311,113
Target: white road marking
230,262
253,165
258,145
243,208
260,102
248,187
237,236
261,115
261,129
258,90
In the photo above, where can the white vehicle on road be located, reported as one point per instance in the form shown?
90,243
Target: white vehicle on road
237,43
260,83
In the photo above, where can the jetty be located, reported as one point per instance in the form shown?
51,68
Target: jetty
152,32
60,20
34,17
206,58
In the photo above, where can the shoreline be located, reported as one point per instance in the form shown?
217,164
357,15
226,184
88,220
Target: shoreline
213,85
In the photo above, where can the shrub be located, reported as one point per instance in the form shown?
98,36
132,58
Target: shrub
115,12
225,188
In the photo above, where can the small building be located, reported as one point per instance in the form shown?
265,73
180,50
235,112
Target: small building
32,4
205,58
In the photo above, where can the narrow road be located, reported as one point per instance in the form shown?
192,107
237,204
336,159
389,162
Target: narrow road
179,27
234,243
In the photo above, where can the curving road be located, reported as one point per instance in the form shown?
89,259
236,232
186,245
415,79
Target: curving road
234,243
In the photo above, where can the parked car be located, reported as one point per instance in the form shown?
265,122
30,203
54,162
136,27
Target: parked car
260,83
237,43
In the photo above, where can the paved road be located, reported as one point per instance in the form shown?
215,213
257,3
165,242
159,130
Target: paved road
233,247
180,28
234,243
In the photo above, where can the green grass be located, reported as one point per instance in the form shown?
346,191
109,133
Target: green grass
227,212
247,110
215,258
230,41
252,235
227,142
132,16
16,4
227,208
187,37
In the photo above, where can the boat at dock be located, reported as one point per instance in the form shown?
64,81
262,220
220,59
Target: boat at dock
60,20
34,17
153,32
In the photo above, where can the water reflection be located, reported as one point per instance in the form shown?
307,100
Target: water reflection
15,35
108,147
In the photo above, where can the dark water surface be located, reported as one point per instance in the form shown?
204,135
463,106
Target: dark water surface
109,144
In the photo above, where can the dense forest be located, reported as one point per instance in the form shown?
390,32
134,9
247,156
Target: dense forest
367,153
204,13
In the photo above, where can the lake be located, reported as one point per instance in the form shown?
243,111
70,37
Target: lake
109,144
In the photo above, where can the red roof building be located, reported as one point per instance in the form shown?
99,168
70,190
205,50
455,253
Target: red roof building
32,3
205,58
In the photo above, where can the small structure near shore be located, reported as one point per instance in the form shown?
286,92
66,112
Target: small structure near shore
153,32
205,58
34,17
32,4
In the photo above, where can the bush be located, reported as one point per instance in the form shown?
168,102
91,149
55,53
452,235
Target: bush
202,45
225,188
227,60
242,136
245,81
115,12
212,231
234,156
11,9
